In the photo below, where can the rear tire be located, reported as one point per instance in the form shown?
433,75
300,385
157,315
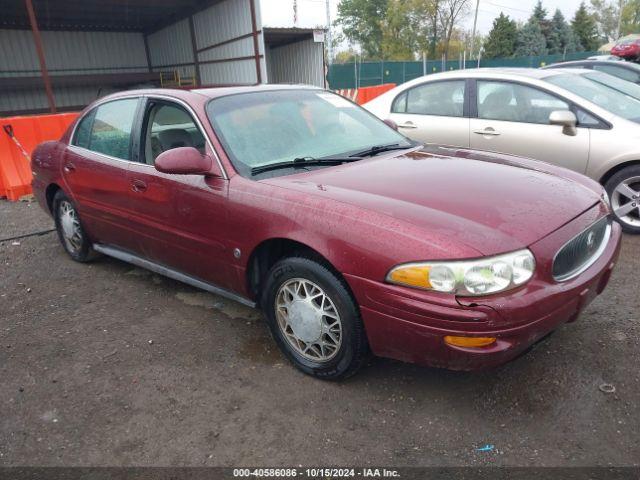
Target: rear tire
70,231
313,319
623,189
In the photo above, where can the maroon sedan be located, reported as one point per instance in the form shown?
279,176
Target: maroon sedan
628,49
350,237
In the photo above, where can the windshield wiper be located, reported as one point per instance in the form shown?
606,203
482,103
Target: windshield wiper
304,162
376,149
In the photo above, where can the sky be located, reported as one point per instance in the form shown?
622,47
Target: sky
519,10
311,13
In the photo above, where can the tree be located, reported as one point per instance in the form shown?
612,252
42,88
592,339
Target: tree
345,56
531,41
406,29
398,38
540,15
450,13
360,21
630,18
502,38
584,27
561,38
605,14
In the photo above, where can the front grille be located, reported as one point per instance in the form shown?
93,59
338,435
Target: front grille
581,251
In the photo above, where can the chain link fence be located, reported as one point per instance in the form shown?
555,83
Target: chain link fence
366,74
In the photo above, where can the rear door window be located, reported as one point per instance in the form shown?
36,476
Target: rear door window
83,130
444,99
111,129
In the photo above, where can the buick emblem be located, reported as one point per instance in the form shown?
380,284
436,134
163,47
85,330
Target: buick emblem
591,240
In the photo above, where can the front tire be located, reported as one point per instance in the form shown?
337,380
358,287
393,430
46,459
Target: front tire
313,319
623,189
70,231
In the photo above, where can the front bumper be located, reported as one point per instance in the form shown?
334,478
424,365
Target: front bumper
410,325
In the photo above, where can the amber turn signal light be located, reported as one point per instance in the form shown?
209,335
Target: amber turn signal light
472,342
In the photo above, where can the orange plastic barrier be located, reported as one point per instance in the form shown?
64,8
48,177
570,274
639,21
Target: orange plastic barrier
15,171
366,94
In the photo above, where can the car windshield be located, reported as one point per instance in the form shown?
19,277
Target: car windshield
603,96
268,127
622,86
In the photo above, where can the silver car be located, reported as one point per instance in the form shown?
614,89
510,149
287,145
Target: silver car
628,71
550,115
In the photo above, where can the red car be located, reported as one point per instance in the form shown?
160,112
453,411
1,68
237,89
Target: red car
350,237
628,49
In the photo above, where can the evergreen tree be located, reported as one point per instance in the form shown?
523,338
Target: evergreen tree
501,41
540,15
584,27
573,42
531,41
561,37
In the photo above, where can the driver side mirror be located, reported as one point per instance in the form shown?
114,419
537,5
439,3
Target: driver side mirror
566,119
186,161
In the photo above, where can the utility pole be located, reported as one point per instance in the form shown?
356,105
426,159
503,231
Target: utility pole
295,13
329,44
473,35
620,7
434,36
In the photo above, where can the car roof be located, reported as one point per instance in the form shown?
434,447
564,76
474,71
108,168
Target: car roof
202,94
222,91
501,72
616,63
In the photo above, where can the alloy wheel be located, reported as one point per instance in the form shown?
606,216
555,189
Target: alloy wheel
71,230
308,319
625,201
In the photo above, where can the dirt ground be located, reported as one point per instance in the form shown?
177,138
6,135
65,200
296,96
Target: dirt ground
106,364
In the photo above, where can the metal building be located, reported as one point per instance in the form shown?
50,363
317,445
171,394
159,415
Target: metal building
59,55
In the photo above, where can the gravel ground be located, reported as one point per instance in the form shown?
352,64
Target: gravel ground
107,364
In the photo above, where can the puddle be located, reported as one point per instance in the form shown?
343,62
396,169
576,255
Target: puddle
214,302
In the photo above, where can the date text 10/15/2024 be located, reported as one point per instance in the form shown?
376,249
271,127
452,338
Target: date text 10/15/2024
316,472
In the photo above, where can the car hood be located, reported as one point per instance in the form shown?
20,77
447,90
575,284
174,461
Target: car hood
491,203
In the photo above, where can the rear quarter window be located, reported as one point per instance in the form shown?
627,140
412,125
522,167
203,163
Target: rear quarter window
83,130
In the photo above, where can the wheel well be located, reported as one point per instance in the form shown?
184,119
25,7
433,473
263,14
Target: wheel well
50,192
269,252
605,178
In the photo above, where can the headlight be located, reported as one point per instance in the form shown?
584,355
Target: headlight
467,277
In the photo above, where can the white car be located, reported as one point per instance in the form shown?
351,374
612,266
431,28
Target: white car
550,115
611,58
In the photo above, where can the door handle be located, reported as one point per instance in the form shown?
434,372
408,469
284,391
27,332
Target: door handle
138,186
407,125
69,167
487,131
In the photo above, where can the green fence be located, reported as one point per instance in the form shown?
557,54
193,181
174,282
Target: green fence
365,74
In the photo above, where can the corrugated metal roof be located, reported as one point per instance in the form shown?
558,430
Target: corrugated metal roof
106,15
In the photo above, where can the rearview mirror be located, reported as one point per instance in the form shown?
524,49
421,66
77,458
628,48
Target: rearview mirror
391,123
184,161
566,119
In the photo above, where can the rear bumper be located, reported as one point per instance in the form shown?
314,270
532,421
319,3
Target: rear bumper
38,187
410,325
